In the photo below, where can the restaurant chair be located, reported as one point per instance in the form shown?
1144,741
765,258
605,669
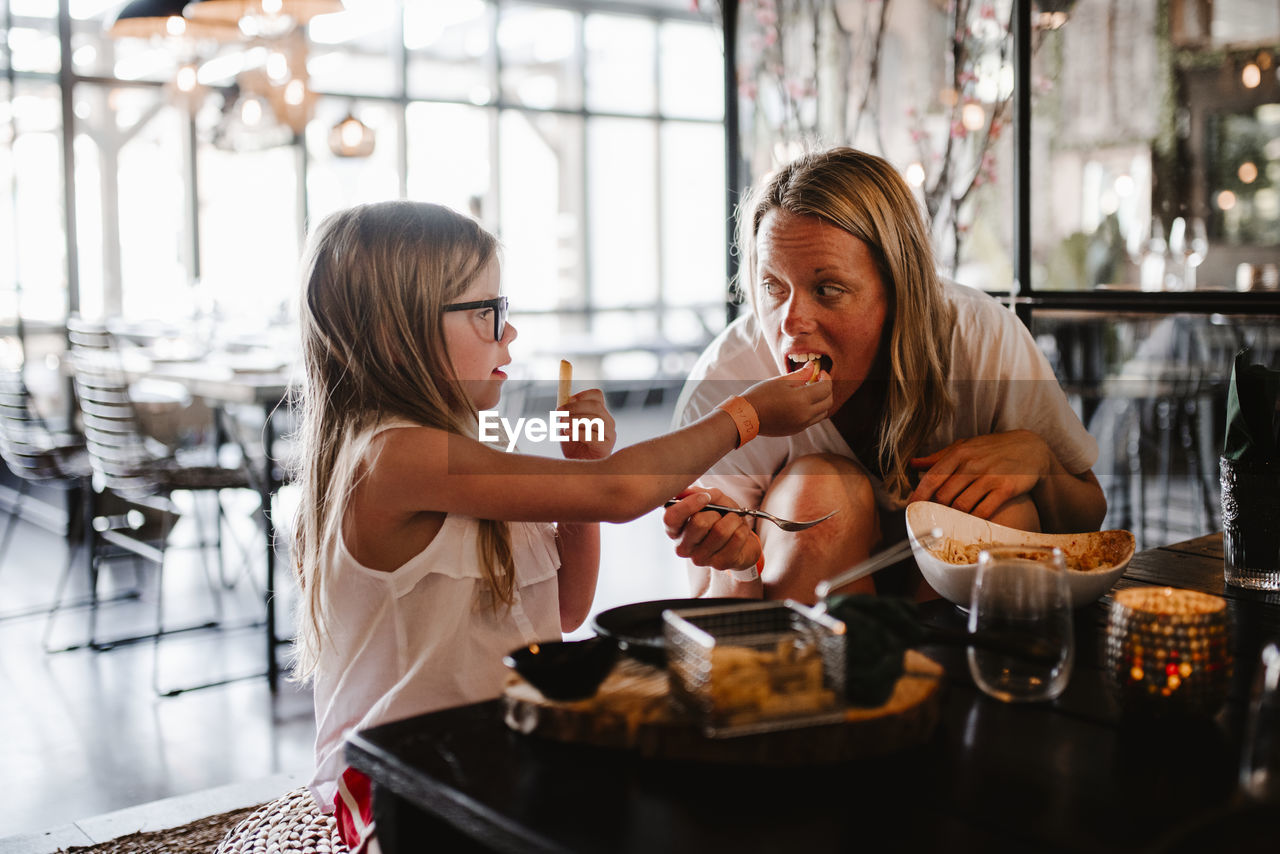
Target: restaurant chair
1155,426
131,466
39,456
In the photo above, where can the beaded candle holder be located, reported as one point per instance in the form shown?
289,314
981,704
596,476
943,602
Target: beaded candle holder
1169,650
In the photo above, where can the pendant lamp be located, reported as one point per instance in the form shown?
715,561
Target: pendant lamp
147,18
351,138
231,11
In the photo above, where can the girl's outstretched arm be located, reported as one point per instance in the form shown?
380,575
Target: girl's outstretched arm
579,544
423,470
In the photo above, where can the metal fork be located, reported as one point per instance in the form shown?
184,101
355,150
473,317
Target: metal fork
784,524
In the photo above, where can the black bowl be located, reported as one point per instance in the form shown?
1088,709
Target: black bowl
638,627
565,670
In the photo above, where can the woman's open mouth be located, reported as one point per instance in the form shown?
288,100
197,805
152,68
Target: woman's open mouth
794,363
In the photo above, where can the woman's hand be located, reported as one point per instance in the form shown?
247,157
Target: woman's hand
708,538
591,445
791,402
982,474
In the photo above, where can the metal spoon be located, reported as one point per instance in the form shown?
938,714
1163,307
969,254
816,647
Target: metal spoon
784,524
875,563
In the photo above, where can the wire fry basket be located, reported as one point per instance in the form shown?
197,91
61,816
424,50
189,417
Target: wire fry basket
756,667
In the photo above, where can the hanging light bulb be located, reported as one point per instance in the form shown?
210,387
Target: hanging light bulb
295,92
351,138
185,90
185,79
251,112
973,117
277,66
1251,76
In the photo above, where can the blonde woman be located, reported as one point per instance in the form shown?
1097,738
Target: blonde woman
939,391
424,553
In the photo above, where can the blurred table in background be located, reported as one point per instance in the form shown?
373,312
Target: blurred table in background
257,379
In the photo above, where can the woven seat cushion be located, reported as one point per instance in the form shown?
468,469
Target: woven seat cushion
290,823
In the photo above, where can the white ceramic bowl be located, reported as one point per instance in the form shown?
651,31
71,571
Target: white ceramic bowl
954,580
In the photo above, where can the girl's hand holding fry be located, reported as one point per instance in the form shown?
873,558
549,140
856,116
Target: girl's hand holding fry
594,442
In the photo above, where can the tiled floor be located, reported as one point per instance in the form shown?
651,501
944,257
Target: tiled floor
85,735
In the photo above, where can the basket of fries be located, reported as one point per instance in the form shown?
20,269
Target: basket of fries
756,667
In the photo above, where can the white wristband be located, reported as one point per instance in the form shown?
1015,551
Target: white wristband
744,575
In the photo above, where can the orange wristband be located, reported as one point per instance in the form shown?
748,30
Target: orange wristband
744,416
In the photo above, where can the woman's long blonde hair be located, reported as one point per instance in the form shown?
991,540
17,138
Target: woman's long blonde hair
865,196
374,280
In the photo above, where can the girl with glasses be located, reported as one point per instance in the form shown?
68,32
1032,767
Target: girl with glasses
425,554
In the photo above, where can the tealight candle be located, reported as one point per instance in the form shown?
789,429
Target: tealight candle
1169,650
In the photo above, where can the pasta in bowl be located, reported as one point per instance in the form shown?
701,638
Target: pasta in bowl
1095,560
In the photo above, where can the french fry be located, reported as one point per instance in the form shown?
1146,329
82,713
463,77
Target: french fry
817,369
566,380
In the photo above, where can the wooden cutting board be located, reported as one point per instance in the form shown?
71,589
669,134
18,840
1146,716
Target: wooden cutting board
633,710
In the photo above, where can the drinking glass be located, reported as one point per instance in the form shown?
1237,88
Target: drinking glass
1155,258
1175,274
1260,762
1197,248
1022,594
1251,523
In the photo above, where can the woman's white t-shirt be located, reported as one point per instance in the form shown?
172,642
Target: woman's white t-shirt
423,637
999,378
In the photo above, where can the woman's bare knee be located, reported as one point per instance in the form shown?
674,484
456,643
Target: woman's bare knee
819,483
806,489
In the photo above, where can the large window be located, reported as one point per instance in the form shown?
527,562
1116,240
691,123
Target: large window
1157,141
927,85
588,135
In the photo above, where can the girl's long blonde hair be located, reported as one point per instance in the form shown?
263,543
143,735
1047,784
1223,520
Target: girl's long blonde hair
865,196
374,280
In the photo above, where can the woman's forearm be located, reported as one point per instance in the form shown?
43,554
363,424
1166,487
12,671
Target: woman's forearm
1069,503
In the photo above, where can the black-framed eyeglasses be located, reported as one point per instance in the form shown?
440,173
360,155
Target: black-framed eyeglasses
499,306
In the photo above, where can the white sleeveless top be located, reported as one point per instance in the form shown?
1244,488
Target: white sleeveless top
423,636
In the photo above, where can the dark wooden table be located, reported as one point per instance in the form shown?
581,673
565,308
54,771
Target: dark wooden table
221,386
1072,775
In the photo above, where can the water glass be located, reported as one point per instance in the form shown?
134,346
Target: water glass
1022,593
1260,762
